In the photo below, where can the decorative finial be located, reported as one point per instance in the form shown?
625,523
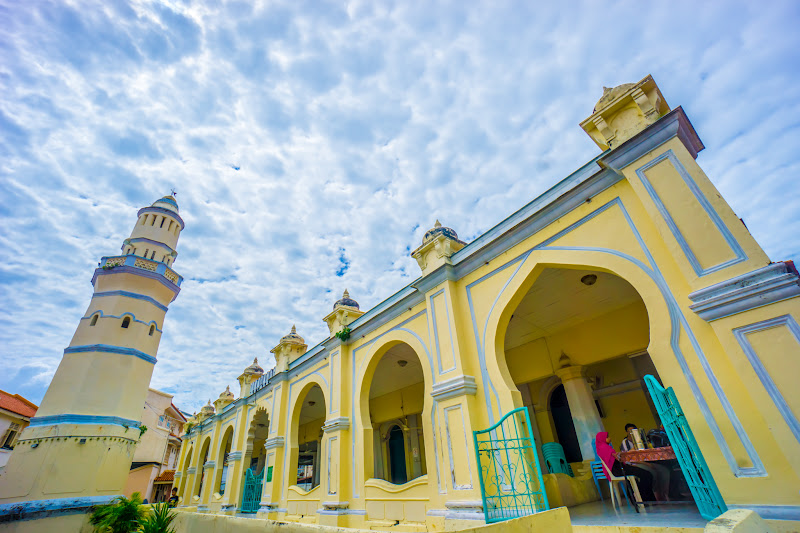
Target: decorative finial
255,360
438,224
173,192
294,330
228,388
346,294
208,404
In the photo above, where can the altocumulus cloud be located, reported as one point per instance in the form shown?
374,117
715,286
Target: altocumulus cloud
313,143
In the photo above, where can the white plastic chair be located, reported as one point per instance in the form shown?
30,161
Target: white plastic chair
614,481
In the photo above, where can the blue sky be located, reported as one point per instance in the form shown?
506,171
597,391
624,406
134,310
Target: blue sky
313,143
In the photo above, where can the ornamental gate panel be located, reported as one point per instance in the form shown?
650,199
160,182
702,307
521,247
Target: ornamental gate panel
704,490
251,499
509,470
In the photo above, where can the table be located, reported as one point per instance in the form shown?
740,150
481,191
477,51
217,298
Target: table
650,454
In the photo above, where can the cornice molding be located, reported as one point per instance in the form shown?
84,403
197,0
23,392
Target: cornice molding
337,424
764,286
452,388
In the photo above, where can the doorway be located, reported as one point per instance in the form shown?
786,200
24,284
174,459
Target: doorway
397,456
565,427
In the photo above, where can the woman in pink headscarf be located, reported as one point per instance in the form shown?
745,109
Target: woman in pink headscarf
608,455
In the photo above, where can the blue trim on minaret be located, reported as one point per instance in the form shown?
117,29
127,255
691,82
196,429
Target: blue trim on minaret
139,272
55,420
107,348
128,294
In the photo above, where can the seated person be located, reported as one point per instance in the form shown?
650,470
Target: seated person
660,473
608,455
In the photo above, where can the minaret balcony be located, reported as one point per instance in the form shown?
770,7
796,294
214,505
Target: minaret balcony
107,263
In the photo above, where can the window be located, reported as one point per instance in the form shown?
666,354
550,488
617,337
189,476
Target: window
10,437
153,223
144,220
163,219
134,251
152,330
94,320
169,228
126,322
146,250
153,255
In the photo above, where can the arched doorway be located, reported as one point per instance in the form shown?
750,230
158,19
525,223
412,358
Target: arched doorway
590,330
396,402
220,479
307,438
187,461
565,427
201,471
257,435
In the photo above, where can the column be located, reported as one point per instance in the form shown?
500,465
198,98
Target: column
582,407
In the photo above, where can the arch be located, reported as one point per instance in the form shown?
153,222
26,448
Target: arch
94,319
361,403
199,478
257,434
309,449
502,399
221,471
126,322
187,460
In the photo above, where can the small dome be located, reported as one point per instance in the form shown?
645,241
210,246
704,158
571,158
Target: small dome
226,394
167,202
293,337
346,301
438,229
207,409
610,94
254,368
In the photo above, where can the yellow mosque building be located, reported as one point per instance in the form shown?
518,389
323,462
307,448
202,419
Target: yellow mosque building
628,292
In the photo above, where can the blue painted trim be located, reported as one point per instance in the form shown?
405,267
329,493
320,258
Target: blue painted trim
36,509
167,200
161,211
291,408
678,320
134,295
127,313
479,343
107,348
125,269
763,374
737,250
56,420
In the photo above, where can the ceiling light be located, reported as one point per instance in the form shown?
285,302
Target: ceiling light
589,279
401,363
312,403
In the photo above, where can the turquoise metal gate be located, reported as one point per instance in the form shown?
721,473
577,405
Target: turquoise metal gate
509,470
706,494
251,497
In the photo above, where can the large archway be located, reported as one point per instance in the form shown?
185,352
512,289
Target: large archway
221,472
305,465
583,334
257,434
187,461
200,476
396,396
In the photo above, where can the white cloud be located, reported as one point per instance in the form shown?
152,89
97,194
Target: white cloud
297,134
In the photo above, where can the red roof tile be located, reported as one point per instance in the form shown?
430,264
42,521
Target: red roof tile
166,475
17,404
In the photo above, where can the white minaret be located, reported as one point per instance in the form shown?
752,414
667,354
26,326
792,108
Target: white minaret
80,444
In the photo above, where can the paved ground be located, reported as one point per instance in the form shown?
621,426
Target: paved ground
603,514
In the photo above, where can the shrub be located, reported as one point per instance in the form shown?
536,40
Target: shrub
160,520
122,515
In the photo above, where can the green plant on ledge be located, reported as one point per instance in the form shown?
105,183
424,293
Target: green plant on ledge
109,267
142,430
344,334
122,515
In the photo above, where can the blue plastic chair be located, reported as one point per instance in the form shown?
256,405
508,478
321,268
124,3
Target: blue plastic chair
555,459
598,474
